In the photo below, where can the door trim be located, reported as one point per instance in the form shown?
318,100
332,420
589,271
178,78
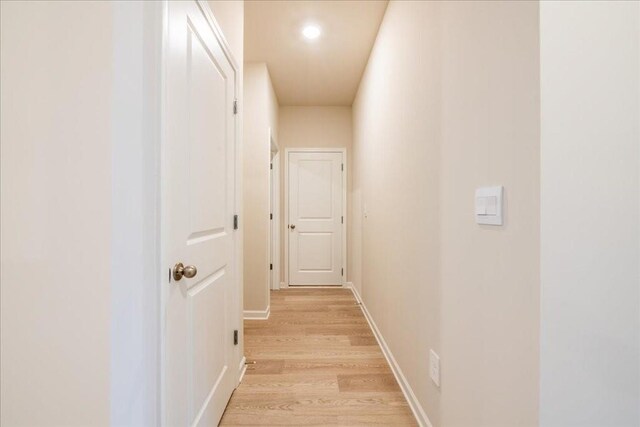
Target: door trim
163,261
343,151
274,209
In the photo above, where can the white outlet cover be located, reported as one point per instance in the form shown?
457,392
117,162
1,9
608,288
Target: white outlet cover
434,367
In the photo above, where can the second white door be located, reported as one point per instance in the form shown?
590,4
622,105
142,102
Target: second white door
316,218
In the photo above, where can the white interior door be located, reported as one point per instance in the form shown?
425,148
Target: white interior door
198,209
315,218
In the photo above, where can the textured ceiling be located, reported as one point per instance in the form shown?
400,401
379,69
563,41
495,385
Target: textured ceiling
326,71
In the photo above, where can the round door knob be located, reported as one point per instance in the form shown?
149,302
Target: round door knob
180,270
293,227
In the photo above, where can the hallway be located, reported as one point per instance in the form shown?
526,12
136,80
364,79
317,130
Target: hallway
320,212
316,363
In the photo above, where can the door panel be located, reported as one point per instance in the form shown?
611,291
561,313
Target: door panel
207,136
315,251
199,186
315,189
315,209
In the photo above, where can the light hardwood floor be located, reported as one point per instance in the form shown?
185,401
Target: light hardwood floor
316,363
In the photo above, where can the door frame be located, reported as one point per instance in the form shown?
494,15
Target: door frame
274,209
165,264
342,151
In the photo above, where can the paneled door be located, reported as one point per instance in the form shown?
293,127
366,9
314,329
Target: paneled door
315,226
198,168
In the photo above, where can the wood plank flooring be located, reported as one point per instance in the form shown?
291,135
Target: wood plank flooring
316,363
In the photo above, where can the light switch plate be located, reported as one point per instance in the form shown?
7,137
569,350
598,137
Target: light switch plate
488,205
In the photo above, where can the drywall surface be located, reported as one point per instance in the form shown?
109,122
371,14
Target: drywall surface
396,190
315,127
229,14
490,275
450,102
260,115
590,223
57,80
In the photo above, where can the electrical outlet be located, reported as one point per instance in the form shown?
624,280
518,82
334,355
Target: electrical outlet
434,367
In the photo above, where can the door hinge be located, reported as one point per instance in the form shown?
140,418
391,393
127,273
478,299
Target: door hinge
342,271
235,222
270,216
271,166
342,167
235,106
342,220
235,337
270,266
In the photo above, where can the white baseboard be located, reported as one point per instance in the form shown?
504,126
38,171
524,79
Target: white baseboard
348,285
257,314
416,408
242,368
283,285
358,298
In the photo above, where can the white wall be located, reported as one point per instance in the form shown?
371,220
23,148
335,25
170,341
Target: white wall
490,279
590,223
396,190
260,115
230,17
450,102
315,127
56,199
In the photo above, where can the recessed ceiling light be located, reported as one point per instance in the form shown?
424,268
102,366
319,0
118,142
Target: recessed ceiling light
311,32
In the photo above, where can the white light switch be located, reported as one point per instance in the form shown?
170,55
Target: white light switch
489,205
481,205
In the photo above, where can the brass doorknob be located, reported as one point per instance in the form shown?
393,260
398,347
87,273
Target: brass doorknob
293,226
180,270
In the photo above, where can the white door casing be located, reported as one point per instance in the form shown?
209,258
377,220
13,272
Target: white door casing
316,217
274,209
198,179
